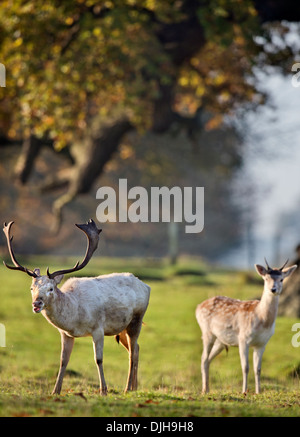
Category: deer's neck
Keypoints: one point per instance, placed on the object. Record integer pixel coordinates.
(58, 312)
(267, 308)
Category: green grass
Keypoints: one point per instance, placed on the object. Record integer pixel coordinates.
(170, 352)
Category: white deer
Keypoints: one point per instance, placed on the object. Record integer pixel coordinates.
(231, 322)
(112, 304)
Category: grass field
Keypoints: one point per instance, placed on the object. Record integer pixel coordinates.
(170, 352)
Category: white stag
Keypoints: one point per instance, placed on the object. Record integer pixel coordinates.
(231, 322)
(112, 304)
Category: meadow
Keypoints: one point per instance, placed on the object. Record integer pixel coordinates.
(170, 351)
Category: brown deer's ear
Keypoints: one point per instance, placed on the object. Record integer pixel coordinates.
(37, 272)
(260, 270)
(289, 270)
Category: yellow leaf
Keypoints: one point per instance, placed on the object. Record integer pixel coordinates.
(97, 31)
(48, 120)
(56, 49)
(219, 79)
(239, 40)
(200, 90)
(69, 21)
(18, 42)
(214, 123)
(126, 151)
(183, 81)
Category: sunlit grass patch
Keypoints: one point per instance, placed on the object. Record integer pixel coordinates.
(170, 353)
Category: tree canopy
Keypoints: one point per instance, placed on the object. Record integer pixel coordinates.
(69, 62)
(83, 73)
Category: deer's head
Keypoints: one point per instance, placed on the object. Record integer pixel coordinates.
(42, 290)
(43, 287)
(273, 278)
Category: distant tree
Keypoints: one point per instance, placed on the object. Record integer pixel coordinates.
(290, 299)
(81, 74)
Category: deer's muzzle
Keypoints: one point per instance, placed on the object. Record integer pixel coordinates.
(37, 306)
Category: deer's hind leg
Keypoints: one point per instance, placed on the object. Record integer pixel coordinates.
(128, 338)
(208, 343)
(216, 349)
(98, 342)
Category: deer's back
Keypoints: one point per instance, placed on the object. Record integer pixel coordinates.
(110, 301)
(114, 288)
(224, 317)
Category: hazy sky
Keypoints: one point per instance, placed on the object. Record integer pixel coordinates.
(274, 160)
(272, 152)
(272, 169)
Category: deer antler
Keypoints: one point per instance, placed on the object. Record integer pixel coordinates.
(268, 267)
(284, 265)
(92, 233)
(6, 230)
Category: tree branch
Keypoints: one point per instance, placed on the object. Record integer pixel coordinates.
(100, 150)
(30, 150)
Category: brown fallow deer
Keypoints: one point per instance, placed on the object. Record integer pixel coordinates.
(231, 322)
(112, 304)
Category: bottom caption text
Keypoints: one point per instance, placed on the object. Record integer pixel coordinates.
(153, 426)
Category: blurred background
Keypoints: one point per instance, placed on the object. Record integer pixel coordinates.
(174, 93)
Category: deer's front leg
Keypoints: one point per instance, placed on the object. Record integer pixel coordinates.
(244, 356)
(98, 339)
(257, 359)
(66, 349)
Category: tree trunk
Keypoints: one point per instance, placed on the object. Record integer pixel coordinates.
(30, 150)
(173, 230)
(289, 304)
(99, 151)
(92, 155)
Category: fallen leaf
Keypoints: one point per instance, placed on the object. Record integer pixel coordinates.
(45, 411)
(21, 414)
(151, 401)
(59, 400)
(81, 395)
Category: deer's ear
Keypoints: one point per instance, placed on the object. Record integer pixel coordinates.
(37, 272)
(260, 270)
(289, 270)
(58, 279)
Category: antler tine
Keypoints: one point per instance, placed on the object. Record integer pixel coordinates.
(281, 268)
(92, 232)
(268, 267)
(61, 272)
(17, 266)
